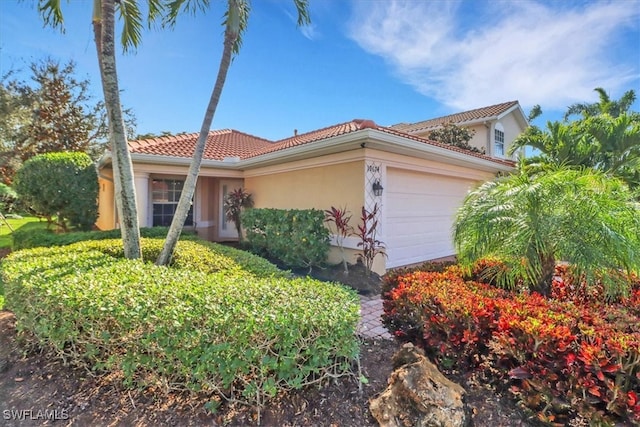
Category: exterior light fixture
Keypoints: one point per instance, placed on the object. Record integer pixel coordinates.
(377, 188)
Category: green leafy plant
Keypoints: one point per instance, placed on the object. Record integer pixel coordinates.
(530, 222)
(219, 320)
(234, 203)
(340, 217)
(26, 238)
(456, 136)
(296, 238)
(64, 185)
(367, 232)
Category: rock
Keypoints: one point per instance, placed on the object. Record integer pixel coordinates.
(419, 395)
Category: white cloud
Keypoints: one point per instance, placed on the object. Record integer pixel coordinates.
(467, 55)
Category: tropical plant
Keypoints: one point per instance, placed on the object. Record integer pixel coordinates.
(606, 138)
(367, 233)
(559, 144)
(234, 203)
(235, 24)
(618, 139)
(531, 221)
(340, 217)
(605, 105)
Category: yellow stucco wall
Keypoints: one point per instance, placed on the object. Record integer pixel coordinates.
(318, 187)
(106, 201)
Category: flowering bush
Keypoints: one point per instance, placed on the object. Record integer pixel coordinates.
(562, 356)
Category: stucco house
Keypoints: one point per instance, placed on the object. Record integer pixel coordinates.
(423, 182)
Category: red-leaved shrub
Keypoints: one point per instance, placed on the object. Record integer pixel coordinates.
(572, 354)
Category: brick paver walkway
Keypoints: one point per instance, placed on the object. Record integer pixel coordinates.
(370, 323)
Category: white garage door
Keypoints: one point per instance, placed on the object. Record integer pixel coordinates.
(419, 215)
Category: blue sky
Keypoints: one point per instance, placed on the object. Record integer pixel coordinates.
(389, 61)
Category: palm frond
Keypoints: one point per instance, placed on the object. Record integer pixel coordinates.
(132, 23)
(51, 11)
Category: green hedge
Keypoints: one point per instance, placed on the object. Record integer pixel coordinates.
(216, 321)
(61, 184)
(33, 238)
(296, 238)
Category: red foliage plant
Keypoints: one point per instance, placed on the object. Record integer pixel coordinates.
(570, 354)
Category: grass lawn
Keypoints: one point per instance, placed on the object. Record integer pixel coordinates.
(27, 222)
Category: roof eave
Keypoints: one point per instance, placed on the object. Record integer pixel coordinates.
(345, 142)
(400, 145)
(183, 161)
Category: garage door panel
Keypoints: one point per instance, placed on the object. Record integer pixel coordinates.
(420, 210)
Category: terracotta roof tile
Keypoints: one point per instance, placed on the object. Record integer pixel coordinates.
(220, 144)
(231, 143)
(316, 135)
(458, 118)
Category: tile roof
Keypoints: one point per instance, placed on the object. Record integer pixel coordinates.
(489, 112)
(316, 135)
(402, 134)
(220, 144)
(231, 143)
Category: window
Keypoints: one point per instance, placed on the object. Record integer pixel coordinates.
(498, 141)
(165, 196)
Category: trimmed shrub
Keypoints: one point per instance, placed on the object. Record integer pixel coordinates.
(33, 238)
(562, 357)
(209, 323)
(60, 184)
(296, 238)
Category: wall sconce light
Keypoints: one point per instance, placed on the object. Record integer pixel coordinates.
(377, 188)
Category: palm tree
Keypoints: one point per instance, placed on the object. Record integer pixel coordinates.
(103, 21)
(604, 106)
(235, 25)
(608, 140)
(531, 221)
(560, 144)
(618, 138)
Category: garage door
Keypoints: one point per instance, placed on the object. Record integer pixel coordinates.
(419, 215)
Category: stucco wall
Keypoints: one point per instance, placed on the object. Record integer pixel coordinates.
(318, 187)
(479, 139)
(106, 201)
(511, 131)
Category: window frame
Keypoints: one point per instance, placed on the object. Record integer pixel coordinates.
(164, 201)
(498, 141)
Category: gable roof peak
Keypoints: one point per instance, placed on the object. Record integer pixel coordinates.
(491, 112)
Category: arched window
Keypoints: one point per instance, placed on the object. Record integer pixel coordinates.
(498, 140)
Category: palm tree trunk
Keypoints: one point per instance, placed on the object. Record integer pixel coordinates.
(182, 210)
(103, 27)
(543, 287)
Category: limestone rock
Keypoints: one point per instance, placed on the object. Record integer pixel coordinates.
(419, 395)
